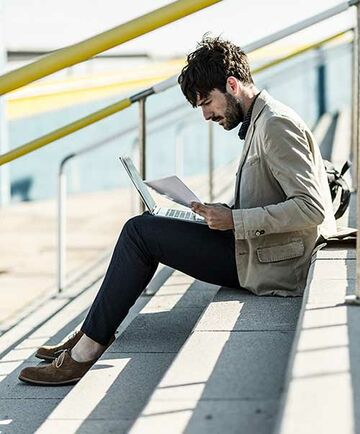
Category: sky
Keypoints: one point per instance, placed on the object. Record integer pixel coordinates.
(51, 24)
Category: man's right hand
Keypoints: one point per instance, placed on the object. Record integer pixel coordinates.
(217, 203)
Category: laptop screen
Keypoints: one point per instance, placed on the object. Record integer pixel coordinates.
(138, 183)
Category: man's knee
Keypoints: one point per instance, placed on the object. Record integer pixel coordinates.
(136, 224)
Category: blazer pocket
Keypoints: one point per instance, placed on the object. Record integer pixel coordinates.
(282, 252)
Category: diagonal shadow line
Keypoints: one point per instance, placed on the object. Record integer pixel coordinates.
(328, 347)
(181, 385)
(320, 375)
(326, 326)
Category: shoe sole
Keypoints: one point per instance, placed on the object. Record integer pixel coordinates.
(47, 383)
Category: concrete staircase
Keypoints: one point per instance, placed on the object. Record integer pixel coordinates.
(192, 358)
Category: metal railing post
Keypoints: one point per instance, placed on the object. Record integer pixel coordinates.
(133, 193)
(211, 160)
(354, 104)
(355, 298)
(61, 228)
(142, 144)
(61, 253)
(321, 83)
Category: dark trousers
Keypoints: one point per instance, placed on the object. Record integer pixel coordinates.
(196, 250)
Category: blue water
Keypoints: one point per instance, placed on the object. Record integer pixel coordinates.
(294, 83)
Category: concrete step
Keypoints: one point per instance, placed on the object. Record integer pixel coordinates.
(229, 374)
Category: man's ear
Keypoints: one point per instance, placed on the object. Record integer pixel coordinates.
(232, 85)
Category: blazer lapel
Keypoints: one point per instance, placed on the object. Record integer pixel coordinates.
(245, 151)
(258, 107)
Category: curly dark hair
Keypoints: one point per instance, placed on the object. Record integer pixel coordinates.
(209, 66)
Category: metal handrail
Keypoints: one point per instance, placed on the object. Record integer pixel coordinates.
(88, 48)
(130, 129)
(301, 25)
(127, 102)
(167, 84)
(81, 123)
(301, 50)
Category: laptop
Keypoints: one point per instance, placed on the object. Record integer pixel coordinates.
(150, 202)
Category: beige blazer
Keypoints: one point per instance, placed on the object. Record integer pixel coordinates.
(282, 201)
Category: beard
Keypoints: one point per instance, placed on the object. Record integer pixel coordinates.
(234, 114)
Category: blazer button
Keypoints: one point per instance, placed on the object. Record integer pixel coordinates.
(257, 233)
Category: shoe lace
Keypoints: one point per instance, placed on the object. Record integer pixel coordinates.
(59, 360)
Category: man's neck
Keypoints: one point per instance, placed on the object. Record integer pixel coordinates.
(249, 93)
(251, 97)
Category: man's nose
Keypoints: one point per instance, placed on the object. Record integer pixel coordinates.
(207, 113)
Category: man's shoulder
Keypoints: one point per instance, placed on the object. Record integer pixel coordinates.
(276, 113)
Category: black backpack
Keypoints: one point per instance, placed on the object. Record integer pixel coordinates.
(336, 181)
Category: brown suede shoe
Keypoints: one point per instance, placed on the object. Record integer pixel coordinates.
(50, 353)
(62, 371)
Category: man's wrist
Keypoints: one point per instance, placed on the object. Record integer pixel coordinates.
(239, 227)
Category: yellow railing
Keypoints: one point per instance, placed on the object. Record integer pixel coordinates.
(64, 131)
(88, 48)
(301, 50)
(126, 102)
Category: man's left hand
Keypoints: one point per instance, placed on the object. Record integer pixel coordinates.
(217, 216)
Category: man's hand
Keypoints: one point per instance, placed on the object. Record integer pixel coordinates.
(217, 216)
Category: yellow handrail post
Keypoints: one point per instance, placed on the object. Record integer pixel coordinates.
(88, 48)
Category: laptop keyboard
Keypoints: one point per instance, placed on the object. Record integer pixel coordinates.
(186, 215)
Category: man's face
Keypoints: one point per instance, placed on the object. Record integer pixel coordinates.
(222, 108)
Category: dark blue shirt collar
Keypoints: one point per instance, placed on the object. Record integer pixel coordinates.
(246, 123)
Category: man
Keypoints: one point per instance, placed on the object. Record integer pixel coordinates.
(263, 243)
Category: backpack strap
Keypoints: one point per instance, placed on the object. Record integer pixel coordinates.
(336, 181)
(345, 167)
(344, 199)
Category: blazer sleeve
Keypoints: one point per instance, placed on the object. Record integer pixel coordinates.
(290, 160)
